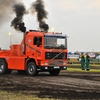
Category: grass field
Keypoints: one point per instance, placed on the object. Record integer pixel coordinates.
(80, 61)
(80, 65)
(16, 96)
(80, 70)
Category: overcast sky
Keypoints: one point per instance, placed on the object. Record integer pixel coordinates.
(79, 19)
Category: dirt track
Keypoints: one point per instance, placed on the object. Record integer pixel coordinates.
(68, 85)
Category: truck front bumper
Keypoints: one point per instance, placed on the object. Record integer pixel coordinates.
(47, 68)
(53, 63)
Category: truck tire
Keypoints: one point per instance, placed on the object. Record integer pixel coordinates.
(54, 72)
(31, 69)
(3, 66)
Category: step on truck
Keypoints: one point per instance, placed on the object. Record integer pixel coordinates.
(39, 51)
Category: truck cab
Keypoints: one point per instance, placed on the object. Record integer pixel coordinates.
(49, 49)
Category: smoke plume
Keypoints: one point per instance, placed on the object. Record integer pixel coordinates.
(6, 13)
(38, 6)
(17, 22)
(6, 10)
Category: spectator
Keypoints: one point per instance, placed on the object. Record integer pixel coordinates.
(82, 61)
(87, 62)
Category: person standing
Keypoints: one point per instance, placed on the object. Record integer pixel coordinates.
(87, 62)
(82, 61)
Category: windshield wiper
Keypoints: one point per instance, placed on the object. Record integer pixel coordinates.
(62, 47)
(50, 47)
(55, 47)
(47, 47)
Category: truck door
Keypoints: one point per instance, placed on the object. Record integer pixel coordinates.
(33, 47)
(37, 44)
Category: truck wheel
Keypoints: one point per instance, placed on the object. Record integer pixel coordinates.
(31, 69)
(54, 72)
(3, 66)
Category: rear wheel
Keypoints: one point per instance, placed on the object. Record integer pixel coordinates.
(31, 69)
(3, 66)
(54, 72)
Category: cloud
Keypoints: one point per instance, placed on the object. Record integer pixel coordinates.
(68, 5)
(77, 4)
(79, 7)
(6, 10)
(95, 4)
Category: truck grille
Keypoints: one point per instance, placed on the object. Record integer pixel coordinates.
(55, 55)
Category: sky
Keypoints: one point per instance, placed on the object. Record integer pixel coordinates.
(78, 19)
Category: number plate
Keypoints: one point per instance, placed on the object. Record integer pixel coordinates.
(56, 67)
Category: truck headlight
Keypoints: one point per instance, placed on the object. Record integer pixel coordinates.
(46, 63)
(64, 63)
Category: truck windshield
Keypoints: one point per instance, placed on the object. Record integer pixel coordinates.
(51, 42)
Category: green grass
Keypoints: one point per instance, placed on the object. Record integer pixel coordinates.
(95, 61)
(94, 65)
(80, 65)
(80, 70)
(90, 61)
(75, 64)
(18, 96)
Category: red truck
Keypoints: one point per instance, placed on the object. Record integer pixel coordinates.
(39, 51)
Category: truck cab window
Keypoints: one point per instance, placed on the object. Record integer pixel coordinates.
(55, 42)
(37, 40)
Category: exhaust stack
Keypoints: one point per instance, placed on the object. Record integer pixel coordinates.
(23, 46)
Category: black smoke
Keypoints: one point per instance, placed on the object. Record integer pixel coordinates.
(38, 6)
(17, 22)
(7, 7)
(6, 10)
